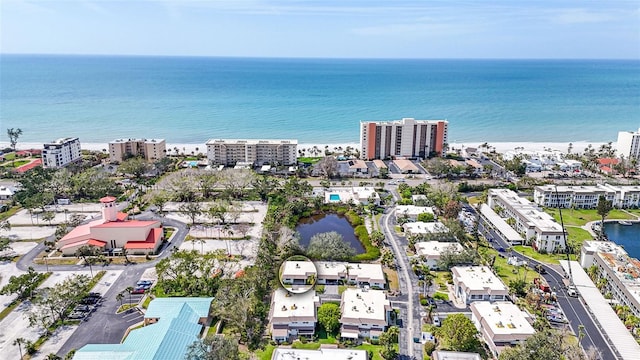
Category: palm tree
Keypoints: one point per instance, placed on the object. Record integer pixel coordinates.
(19, 341)
(53, 356)
(202, 242)
(120, 297)
(129, 290)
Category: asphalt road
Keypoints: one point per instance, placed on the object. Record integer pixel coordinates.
(573, 308)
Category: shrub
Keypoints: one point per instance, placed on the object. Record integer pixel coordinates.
(429, 347)
(424, 302)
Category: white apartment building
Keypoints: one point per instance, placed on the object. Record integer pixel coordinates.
(430, 251)
(454, 355)
(257, 152)
(357, 194)
(402, 138)
(292, 315)
(411, 212)
(424, 228)
(502, 324)
(536, 226)
(332, 272)
(477, 283)
(365, 313)
(628, 144)
(298, 273)
(622, 273)
(148, 149)
(61, 152)
(320, 354)
(586, 197)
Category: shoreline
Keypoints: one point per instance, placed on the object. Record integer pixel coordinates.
(501, 147)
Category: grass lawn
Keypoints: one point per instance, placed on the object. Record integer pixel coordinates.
(375, 349)
(126, 307)
(580, 217)
(440, 282)
(634, 211)
(545, 258)
(324, 338)
(506, 272)
(474, 200)
(308, 346)
(266, 353)
(392, 278)
(10, 156)
(309, 160)
(58, 261)
(15, 164)
(9, 213)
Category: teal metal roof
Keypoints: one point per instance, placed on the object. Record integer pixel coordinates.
(170, 307)
(176, 329)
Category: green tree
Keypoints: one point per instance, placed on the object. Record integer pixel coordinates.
(13, 135)
(48, 216)
(603, 208)
(543, 345)
(88, 254)
(19, 342)
(329, 246)
(214, 347)
(192, 210)
(388, 351)
(136, 167)
(23, 285)
(160, 199)
(329, 316)
(5, 245)
(425, 217)
(458, 333)
(377, 238)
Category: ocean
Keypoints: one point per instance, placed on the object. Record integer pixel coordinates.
(625, 235)
(193, 99)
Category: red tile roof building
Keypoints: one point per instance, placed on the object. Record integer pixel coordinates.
(114, 231)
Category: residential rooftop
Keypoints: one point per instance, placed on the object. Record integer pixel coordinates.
(504, 320)
(413, 210)
(433, 249)
(478, 278)
(420, 227)
(369, 306)
(360, 271)
(320, 354)
(298, 269)
(250, 142)
(295, 307)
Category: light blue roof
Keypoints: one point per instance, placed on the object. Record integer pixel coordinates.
(170, 307)
(176, 329)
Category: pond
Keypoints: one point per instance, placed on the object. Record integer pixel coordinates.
(316, 224)
(626, 235)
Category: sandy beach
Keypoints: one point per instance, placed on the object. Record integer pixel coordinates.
(578, 146)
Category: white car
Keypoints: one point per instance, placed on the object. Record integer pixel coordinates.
(436, 320)
(572, 291)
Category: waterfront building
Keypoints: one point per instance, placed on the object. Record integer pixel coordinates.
(292, 315)
(171, 325)
(114, 233)
(357, 194)
(148, 149)
(477, 283)
(402, 138)
(365, 313)
(61, 152)
(501, 324)
(536, 226)
(430, 251)
(628, 144)
(361, 274)
(586, 196)
(229, 152)
(617, 272)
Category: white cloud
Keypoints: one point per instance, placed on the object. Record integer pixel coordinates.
(580, 16)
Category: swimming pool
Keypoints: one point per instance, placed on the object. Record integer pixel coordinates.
(334, 197)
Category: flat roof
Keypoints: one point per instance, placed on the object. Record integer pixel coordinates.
(618, 335)
(527, 210)
(252, 142)
(413, 210)
(362, 271)
(365, 305)
(149, 141)
(320, 354)
(454, 355)
(503, 318)
(420, 227)
(500, 225)
(478, 278)
(294, 306)
(433, 249)
(298, 268)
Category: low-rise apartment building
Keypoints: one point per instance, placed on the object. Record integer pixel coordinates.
(292, 315)
(586, 197)
(411, 212)
(298, 273)
(617, 272)
(454, 355)
(281, 353)
(358, 194)
(430, 251)
(365, 313)
(61, 152)
(229, 152)
(536, 226)
(334, 272)
(402, 138)
(502, 324)
(477, 283)
(148, 149)
(425, 228)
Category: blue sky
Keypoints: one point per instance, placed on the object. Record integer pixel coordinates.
(342, 28)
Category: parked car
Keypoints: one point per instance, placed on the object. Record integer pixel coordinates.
(540, 269)
(144, 282)
(436, 320)
(83, 308)
(572, 291)
(138, 290)
(557, 319)
(77, 315)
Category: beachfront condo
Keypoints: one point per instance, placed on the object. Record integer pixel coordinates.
(61, 152)
(257, 152)
(148, 149)
(628, 144)
(408, 138)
